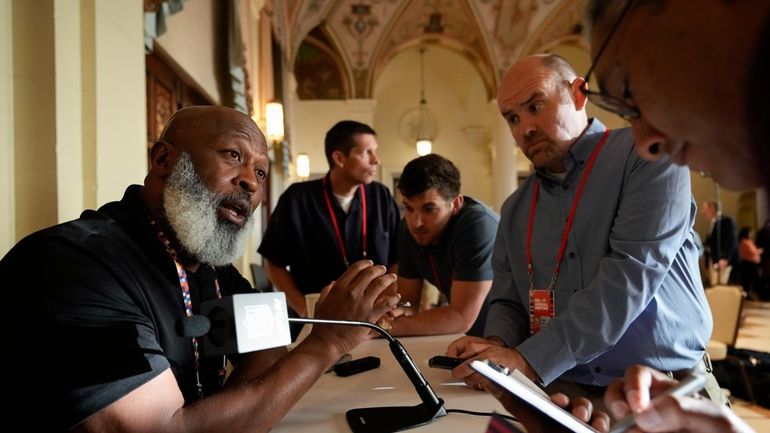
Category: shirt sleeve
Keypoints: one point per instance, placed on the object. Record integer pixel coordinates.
(652, 223)
(473, 245)
(407, 253)
(508, 314)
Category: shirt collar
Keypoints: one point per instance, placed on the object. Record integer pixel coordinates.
(588, 140)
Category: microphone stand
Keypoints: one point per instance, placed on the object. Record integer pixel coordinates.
(395, 418)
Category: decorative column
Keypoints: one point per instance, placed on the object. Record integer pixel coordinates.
(504, 162)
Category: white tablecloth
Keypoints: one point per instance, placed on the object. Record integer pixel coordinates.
(323, 408)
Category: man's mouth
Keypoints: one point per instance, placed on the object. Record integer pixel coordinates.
(534, 146)
(234, 210)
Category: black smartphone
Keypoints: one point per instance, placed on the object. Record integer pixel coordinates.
(357, 366)
(445, 362)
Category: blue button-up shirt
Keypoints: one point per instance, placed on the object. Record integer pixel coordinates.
(629, 289)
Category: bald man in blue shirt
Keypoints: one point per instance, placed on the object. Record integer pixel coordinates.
(595, 262)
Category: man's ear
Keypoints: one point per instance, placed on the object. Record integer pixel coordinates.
(162, 156)
(457, 203)
(338, 158)
(578, 85)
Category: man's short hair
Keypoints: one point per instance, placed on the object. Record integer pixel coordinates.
(340, 137)
(430, 171)
(559, 66)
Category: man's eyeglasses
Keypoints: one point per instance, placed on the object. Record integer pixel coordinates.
(607, 102)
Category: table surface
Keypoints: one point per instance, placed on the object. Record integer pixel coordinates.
(323, 408)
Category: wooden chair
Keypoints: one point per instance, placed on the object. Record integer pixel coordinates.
(726, 304)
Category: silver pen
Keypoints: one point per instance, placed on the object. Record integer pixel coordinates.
(688, 385)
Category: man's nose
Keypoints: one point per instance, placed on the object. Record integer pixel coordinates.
(416, 219)
(649, 142)
(527, 129)
(247, 180)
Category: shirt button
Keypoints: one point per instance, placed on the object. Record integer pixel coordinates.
(572, 255)
(598, 369)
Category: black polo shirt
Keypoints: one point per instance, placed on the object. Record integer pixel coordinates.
(93, 306)
(463, 253)
(301, 235)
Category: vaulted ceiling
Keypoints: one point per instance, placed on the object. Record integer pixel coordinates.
(337, 48)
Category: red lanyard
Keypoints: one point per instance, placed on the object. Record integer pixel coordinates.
(337, 227)
(570, 218)
(434, 268)
(187, 299)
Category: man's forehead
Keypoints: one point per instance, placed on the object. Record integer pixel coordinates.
(519, 87)
(208, 123)
(430, 196)
(362, 141)
(245, 134)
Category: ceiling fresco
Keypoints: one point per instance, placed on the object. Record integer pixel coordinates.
(337, 48)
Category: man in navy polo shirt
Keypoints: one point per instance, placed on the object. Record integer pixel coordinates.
(319, 227)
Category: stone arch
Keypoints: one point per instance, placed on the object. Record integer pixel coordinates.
(319, 68)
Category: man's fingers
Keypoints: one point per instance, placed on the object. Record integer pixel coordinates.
(379, 283)
(675, 413)
(472, 348)
(324, 293)
(582, 408)
(615, 399)
(475, 381)
(560, 399)
(600, 421)
(636, 387)
(642, 383)
(351, 273)
(383, 305)
(463, 345)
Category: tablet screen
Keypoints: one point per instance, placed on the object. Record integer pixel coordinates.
(527, 392)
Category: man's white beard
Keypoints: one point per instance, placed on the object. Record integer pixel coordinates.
(191, 211)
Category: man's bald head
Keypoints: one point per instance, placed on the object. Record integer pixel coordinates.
(542, 66)
(198, 125)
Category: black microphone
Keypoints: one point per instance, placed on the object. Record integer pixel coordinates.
(246, 322)
(395, 418)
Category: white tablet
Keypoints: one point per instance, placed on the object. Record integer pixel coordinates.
(529, 393)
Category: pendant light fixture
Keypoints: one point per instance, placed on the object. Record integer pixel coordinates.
(424, 142)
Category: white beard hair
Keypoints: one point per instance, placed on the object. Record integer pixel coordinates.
(191, 211)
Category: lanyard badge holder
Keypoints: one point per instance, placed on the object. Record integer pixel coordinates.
(541, 305)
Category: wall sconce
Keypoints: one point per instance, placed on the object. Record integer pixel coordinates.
(274, 121)
(303, 166)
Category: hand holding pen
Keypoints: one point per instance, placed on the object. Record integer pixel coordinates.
(647, 400)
